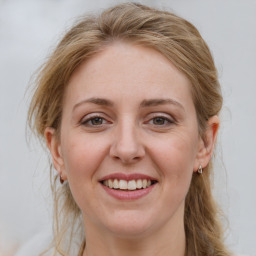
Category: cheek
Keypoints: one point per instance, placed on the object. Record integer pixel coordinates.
(174, 157)
(82, 155)
(177, 149)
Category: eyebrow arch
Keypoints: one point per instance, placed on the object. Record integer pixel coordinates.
(97, 101)
(157, 102)
(144, 103)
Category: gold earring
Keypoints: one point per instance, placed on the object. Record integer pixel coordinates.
(200, 169)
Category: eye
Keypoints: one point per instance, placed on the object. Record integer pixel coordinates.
(160, 121)
(94, 121)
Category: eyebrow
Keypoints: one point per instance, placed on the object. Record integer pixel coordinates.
(143, 104)
(97, 101)
(157, 102)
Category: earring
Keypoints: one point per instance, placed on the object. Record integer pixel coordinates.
(61, 179)
(200, 169)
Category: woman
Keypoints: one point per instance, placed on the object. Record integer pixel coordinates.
(128, 106)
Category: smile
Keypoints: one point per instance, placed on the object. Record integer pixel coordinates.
(128, 184)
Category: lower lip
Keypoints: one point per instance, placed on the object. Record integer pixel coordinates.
(128, 195)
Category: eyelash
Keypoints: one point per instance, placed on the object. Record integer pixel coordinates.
(91, 119)
(88, 122)
(166, 120)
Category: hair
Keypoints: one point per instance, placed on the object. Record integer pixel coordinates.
(180, 42)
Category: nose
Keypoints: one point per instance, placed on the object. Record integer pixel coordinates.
(127, 145)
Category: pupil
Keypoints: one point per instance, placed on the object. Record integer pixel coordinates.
(97, 121)
(158, 120)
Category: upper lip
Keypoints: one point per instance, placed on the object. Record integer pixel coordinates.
(127, 177)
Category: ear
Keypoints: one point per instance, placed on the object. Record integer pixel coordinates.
(206, 143)
(54, 147)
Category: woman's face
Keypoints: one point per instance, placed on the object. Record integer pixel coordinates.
(128, 121)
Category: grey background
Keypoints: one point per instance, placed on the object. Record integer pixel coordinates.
(29, 30)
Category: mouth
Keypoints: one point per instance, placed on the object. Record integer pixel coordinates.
(128, 185)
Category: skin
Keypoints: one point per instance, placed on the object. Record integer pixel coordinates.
(130, 135)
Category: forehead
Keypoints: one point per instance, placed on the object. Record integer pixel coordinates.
(124, 71)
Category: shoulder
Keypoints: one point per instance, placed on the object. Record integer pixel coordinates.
(36, 245)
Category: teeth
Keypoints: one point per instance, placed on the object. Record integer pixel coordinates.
(123, 184)
(110, 183)
(131, 185)
(116, 184)
(144, 183)
(127, 185)
(139, 183)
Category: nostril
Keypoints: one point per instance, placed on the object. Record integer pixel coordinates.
(127, 147)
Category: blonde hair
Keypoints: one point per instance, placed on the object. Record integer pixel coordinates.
(183, 45)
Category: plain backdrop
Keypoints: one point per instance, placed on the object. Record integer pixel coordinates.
(29, 30)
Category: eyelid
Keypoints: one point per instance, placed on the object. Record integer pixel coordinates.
(91, 116)
(161, 115)
(167, 117)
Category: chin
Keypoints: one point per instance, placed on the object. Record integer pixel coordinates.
(130, 225)
(129, 231)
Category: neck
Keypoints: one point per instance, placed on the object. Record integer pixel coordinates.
(170, 240)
